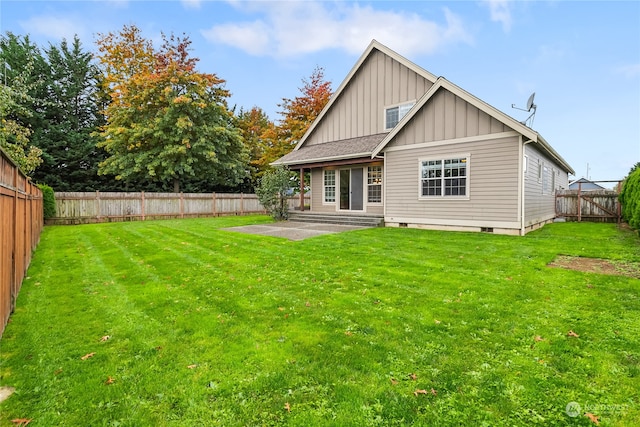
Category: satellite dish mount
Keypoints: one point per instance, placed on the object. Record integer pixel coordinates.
(530, 106)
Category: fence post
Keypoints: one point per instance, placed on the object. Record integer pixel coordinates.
(181, 205)
(142, 207)
(579, 202)
(97, 206)
(214, 204)
(241, 203)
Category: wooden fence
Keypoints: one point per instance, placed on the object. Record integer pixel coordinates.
(592, 206)
(20, 227)
(92, 207)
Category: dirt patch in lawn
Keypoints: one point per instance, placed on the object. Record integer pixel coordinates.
(597, 265)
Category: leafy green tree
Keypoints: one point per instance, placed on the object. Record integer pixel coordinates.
(630, 198)
(272, 192)
(14, 135)
(166, 122)
(253, 124)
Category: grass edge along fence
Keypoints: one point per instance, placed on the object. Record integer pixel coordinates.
(94, 207)
(21, 222)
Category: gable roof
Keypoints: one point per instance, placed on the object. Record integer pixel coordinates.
(443, 83)
(374, 45)
(363, 146)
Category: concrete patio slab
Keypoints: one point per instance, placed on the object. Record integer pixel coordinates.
(293, 230)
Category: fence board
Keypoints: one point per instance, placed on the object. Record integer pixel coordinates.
(20, 227)
(592, 206)
(83, 207)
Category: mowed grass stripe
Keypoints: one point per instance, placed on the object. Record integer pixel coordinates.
(210, 327)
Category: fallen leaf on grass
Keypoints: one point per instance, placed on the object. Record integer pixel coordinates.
(57, 372)
(109, 380)
(437, 321)
(287, 407)
(191, 366)
(88, 355)
(281, 308)
(105, 338)
(394, 381)
(538, 338)
(593, 418)
(572, 334)
(21, 421)
(432, 391)
(413, 376)
(348, 333)
(308, 304)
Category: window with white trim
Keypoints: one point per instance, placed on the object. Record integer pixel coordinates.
(329, 186)
(444, 177)
(374, 184)
(393, 115)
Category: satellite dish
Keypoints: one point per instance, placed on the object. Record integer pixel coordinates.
(530, 106)
(530, 103)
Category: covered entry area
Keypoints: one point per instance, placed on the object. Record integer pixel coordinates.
(351, 189)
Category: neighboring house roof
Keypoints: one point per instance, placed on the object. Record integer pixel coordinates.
(585, 185)
(330, 151)
(373, 145)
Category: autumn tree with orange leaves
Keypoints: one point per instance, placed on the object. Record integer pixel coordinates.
(297, 115)
(166, 122)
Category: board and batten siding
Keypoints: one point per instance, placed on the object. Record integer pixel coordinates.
(493, 185)
(380, 82)
(447, 116)
(539, 203)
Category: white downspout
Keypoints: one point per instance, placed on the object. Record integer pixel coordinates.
(522, 188)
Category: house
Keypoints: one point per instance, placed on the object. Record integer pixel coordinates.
(416, 149)
(585, 185)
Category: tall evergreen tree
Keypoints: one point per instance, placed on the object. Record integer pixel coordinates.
(72, 116)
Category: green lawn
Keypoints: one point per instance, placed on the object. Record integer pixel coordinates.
(180, 323)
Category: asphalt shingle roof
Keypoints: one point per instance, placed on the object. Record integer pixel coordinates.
(335, 150)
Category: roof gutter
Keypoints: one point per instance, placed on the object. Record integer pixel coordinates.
(522, 184)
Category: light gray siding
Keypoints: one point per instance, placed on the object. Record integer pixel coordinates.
(541, 180)
(380, 82)
(447, 116)
(317, 194)
(493, 185)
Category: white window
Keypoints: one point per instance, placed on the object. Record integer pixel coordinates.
(329, 186)
(393, 115)
(374, 184)
(539, 171)
(444, 177)
(545, 180)
(525, 163)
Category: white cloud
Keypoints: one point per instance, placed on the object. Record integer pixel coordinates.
(191, 4)
(629, 71)
(53, 27)
(293, 28)
(500, 12)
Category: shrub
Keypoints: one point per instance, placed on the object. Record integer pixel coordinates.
(48, 201)
(272, 192)
(630, 199)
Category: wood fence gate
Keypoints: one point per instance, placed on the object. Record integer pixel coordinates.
(592, 205)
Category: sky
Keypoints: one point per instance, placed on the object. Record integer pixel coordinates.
(582, 59)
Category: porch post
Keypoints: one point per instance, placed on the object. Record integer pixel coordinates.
(301, 189)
